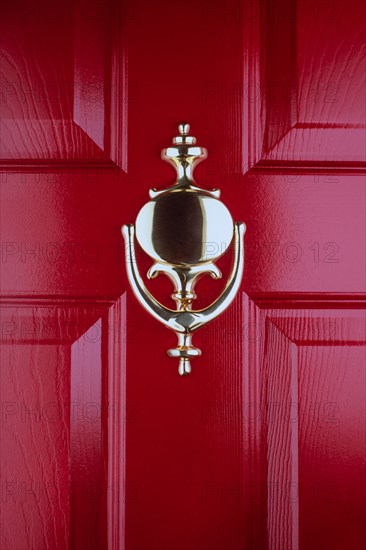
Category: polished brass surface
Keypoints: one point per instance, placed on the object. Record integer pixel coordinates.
(184, 229)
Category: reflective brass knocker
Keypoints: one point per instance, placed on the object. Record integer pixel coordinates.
(178, 228)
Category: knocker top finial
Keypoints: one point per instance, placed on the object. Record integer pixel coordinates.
(184, 136)
(184, 155)
(184, 128)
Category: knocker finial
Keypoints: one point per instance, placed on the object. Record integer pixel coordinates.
(184, 128)
(184, 229)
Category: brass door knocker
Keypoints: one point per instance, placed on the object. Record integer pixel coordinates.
(177, 229)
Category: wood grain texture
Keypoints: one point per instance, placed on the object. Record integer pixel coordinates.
(309, 80)
(57, 101)
(35, 440)
(310, 369)
(63, 407)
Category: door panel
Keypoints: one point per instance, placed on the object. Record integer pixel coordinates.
(310, 84)
(62, 396)
(325, 93)
(305, 411)
(91, 94)
(58, 89)
(35, 475)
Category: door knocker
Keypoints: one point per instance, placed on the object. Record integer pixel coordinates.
(177, 229)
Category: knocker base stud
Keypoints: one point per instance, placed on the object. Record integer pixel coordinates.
(174, 228)
(185, 352)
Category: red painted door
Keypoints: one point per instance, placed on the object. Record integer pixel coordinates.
(103, 445)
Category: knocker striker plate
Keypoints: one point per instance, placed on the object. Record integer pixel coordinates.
(184, 229)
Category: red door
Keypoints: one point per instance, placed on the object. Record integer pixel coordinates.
(103, 445)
